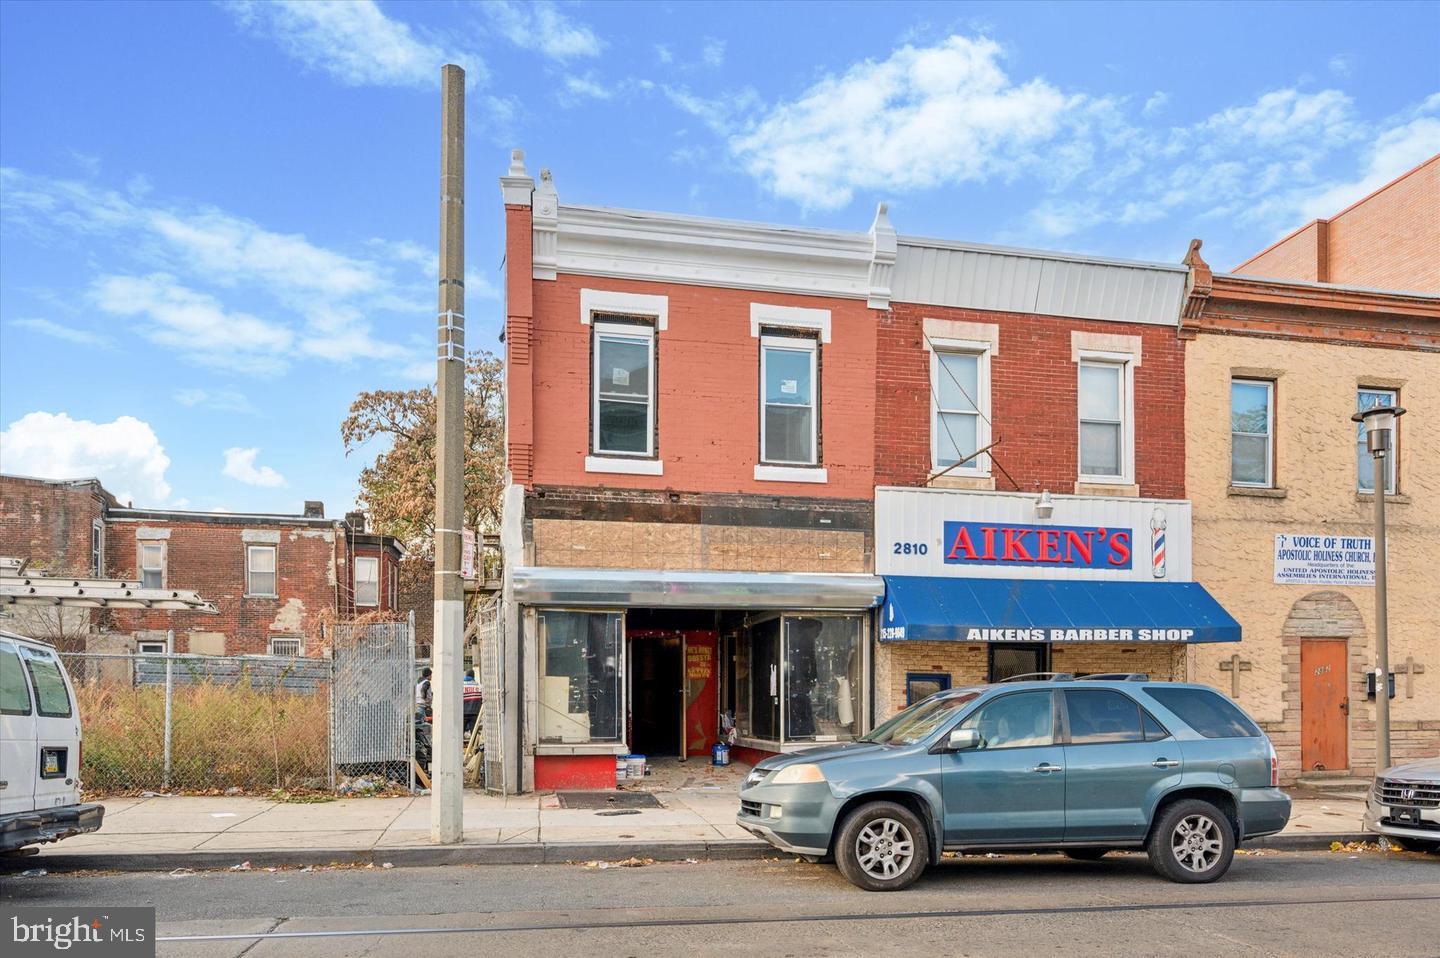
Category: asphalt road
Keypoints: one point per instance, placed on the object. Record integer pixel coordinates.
(1311, 904)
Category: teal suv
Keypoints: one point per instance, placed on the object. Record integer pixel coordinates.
(1080, 766)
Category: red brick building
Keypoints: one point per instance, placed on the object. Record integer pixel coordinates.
(277, 580)
(1388, 240)
(711, 425)
(1039, 397)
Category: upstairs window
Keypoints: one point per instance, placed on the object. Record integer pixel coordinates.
(260, 571)
(1104, 426)
(97, 548)
(1364, 464)
(367, 580)
(789, 433)
(623, 389)
(960, 400)
(1252, 422)
(152, 565)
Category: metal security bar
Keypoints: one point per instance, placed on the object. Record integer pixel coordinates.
(490, 637)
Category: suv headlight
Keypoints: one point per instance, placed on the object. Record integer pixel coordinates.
(798, 775)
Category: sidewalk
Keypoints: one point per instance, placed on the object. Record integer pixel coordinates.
(217, 832)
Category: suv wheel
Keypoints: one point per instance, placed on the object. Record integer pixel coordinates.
(1192, 842)
(882, 847)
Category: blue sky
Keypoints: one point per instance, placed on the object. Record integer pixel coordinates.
(219, 220)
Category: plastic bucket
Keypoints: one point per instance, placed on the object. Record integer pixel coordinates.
(720, 754)
(621, 768)
(634, 767)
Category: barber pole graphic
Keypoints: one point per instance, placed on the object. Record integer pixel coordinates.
(1157, 543)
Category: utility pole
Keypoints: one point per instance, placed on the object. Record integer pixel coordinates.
(446, 779)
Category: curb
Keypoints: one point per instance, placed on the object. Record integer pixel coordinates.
(554, 853)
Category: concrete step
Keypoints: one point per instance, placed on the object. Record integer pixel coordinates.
(1335, 783)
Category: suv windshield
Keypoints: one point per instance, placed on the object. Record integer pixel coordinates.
(919, 720)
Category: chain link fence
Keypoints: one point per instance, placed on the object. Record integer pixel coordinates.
(202, 723)
(210, 724)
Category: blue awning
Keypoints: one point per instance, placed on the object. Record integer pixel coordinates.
(944, 609)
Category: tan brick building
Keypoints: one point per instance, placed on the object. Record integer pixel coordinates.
(1283, 504)
(1388, 240)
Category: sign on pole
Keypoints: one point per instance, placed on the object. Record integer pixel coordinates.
(467, 554)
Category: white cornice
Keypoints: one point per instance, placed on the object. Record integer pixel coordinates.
(599, 241)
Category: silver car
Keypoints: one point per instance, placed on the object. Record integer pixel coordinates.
(1404, 805)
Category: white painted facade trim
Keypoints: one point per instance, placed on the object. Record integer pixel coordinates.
(663, 247)
(594, 301)
(789, 317)
(791, 474)
(1084, 343)
(956, 330)
(623, 466)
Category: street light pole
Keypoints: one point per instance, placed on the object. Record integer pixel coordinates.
(1379, 426)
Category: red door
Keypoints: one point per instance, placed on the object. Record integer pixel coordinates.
(702, 707)
(1324, 705)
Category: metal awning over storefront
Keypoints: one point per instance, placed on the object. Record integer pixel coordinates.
(651, 588)
(950, 609)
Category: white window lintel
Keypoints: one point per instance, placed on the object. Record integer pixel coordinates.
(790, 317)
(594, 301)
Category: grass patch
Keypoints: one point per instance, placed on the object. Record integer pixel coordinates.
(223, 736)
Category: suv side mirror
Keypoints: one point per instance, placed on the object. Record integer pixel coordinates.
(962, 739)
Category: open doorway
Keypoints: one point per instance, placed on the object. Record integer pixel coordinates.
(657, 694)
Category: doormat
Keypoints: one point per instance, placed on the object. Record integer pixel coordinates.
(607, 800)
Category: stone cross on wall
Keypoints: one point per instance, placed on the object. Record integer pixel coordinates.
(1235, 665)
(1410, 669)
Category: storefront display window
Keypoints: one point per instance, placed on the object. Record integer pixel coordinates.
(822, 677)
(801, 679)
(580, 676)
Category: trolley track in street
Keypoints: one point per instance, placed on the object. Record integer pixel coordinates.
(732, 918)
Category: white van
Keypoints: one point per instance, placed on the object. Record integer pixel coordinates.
(39, 748)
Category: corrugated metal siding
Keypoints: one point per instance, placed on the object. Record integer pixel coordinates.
(1016, 282)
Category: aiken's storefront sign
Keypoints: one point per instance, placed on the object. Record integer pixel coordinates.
(1078, 547)
(1002, 535)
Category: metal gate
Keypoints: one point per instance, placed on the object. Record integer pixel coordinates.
(372, 710)
(490, 638)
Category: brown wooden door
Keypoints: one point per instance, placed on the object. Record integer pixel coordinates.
(1324, 705)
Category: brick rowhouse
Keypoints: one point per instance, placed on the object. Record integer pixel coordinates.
(280, 600)
(692, 539)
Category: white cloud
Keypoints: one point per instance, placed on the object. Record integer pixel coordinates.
(124, 455)
(1342, 64)
(223, 400)
(1394, 151)
(586, 88)
(924, 117)
(1283, 116)
(195, 324)
(664, 54)
(539, 26)
(354, 41)
(333, 293)
(1156, 103)
(712, 54)
(71, 334)
(240, 466)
